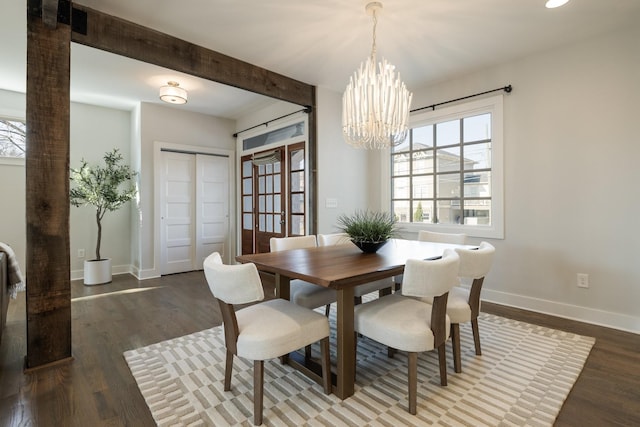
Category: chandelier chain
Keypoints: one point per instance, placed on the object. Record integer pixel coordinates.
(375, 26)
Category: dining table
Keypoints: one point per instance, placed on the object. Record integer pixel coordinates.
(343, 267)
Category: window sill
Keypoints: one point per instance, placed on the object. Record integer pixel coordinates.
(12, 161)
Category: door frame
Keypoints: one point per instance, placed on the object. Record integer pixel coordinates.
(158, 147)
(310, 216)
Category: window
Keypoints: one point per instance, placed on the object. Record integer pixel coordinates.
(447, 174)
(12, 138)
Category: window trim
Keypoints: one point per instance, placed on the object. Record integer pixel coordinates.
(493, 105)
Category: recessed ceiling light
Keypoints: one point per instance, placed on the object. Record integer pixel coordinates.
(555, 3)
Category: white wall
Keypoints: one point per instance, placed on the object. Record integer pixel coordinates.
(12, 186)
(342, 169)
(174, 126)
(94, 131)
(571, 151)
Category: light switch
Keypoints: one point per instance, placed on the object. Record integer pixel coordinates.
(331, 203)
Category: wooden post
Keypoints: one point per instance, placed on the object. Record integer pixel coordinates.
(48, 295)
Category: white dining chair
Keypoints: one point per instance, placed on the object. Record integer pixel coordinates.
(264, 330)
(435, 237)
(464, 303)
(382, 286)
(405, 323)
(304, 293)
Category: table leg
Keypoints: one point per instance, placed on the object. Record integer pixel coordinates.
(283, 288)
(346, 344)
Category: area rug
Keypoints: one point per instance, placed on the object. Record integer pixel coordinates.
(522, 379)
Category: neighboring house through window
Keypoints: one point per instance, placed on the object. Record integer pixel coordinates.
(447, 174)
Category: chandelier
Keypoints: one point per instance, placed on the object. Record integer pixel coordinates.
(376, 103)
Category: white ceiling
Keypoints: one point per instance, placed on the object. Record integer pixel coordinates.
(320, 42)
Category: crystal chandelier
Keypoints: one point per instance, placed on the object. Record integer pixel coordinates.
(376, 103)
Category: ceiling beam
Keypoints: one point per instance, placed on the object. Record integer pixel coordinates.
(116, 35)
(50, 13)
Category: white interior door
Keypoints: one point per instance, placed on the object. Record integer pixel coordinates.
(194, 210)
(212, 211)
(178, 218)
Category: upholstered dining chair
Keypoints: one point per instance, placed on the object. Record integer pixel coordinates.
(383, 286)
(436, 237)
(264, 330)
(407, 324)
(432, 236)
(304, 293)
(464, 303)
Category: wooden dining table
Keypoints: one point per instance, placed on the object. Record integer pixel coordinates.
(342, 267)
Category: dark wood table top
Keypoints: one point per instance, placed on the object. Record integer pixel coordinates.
(345, 265)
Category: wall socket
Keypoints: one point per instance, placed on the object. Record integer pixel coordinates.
(80, 253)
(583, 280)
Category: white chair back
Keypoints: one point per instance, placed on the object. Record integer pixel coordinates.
(333, 239)
(432, 236)
(475, 263)
(233, 284)
(296, 242)
(430, 278)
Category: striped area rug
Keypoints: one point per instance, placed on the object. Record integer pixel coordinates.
(522, 378)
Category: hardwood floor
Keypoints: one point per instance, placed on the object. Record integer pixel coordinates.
(97, 389)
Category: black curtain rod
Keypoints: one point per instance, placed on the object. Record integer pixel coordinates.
(507, 89)
(305, 109)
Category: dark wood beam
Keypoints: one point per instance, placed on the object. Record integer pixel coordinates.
(48, 295)
(50, 13)
(116, 35)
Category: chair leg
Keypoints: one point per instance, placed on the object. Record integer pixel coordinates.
(413, 382)
(327, 310)
(228, 370)
(476, 336)
(357, 300)
(307, 352)
(258, 379)
(442, 361)
(391, 352)
(455, 344)
(385, 292)
(326, 365)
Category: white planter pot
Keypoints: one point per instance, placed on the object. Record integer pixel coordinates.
(97, 272)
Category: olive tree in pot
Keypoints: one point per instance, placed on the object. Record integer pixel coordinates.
(105, 187)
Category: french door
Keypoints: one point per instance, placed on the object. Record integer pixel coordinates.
(273, 196)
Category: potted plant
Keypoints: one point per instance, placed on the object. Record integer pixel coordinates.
(369, 230)
(106, 187)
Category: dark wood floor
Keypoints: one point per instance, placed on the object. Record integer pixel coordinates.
(97, 389)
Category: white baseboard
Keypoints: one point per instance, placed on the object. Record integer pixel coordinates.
(567, 311)
(145, 274)
(115, 270)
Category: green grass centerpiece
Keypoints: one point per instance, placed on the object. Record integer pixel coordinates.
(369, 230)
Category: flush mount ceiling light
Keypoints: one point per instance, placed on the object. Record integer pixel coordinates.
(376, 103)
(555, 3)
(173, 94)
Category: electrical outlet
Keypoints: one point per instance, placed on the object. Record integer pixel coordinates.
(583, 280)
(80, 253)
